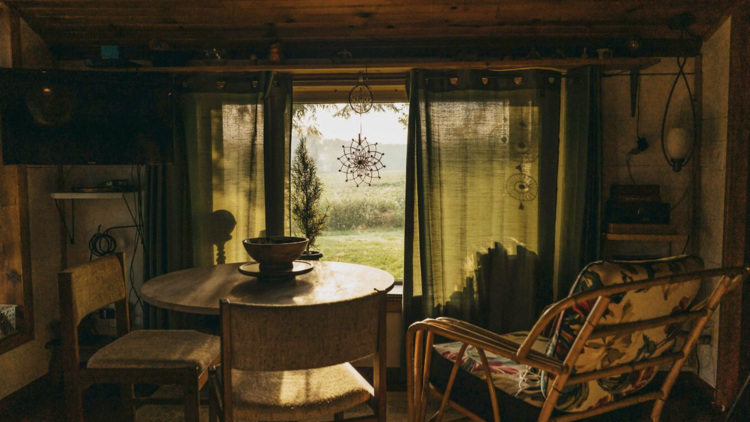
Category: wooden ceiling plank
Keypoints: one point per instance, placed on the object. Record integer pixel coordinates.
(224, 22)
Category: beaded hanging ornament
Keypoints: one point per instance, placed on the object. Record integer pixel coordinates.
(361, 161)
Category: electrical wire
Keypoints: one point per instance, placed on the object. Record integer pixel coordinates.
(638, 110)
(102, 244)
(681, 61)
(684, 248)
(630, 171)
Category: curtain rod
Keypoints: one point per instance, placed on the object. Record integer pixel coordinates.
(348, 80)
(612, 75)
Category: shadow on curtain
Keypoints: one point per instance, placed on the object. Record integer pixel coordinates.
(481, 191)
(237, 141)
(230, 175)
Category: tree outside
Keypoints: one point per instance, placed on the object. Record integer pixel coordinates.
(307, 190)
(365, 224)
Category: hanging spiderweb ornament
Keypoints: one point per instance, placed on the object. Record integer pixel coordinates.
(522, 188)
(361, 161)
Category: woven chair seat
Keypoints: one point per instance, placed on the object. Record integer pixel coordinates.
(158, 349)
(296, 395)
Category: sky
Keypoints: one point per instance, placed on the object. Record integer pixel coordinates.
(381, 127)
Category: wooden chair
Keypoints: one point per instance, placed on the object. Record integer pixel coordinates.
(287, 363)
(160, 357)
(620, 324)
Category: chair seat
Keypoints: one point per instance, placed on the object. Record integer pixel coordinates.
(512, 378)
(158, 349)
(295, 395)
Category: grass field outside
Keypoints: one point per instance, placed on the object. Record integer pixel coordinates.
(377, 248)
(366, 223)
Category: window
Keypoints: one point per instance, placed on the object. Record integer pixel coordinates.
(365, 223)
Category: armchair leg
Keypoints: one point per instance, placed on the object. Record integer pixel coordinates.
(126, 395)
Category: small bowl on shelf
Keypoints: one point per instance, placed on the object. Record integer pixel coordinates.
(275, 253)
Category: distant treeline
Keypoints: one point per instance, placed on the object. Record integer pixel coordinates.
(326, 151)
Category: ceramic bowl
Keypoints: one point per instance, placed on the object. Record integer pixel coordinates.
(275, 253)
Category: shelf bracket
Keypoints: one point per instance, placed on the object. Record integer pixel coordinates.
(72, 231)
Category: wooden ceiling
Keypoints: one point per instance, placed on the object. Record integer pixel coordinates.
(322, 27)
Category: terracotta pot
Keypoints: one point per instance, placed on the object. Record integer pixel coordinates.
(275, 253)
(311, 256)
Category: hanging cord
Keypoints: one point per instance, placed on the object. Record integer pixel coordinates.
(641, 143)
(681, 61)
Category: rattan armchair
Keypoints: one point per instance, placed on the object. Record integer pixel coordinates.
(605, 344)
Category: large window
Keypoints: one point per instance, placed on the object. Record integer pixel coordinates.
(365, 223)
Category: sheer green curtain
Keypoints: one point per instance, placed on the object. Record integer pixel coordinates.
(579, 199)
(237, 131)
(481, 192)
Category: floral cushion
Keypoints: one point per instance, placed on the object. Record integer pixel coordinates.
(512, 378)
(628, 307)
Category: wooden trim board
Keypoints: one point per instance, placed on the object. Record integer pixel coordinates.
(734, 324)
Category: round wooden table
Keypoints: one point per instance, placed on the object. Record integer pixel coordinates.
(199, 290)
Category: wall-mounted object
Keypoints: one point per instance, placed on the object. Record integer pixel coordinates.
(275, 53)
(604, 53)
(83, 117)
(7, 320)
(678, 146)
(215, 56)
(636, 204)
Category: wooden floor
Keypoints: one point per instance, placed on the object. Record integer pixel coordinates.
(687, 403)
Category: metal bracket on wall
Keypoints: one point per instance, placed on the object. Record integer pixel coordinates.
(72, 231)
(72, 196)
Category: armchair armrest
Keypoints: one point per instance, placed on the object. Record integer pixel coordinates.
(488, 341)
(420, 338)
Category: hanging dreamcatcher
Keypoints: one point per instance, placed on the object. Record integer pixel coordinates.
(360, 97)
(523, 150)
(361, 161)
(521, 187)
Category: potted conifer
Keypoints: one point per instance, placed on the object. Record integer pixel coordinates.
(307, 192)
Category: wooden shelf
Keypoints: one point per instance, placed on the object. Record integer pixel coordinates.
(621, 237)
(88, 195)
(318, 67)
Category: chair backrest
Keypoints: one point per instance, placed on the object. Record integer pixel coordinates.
(618, 339)
(275, 338)
(90, 286)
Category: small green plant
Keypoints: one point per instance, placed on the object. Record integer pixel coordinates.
(307, 192)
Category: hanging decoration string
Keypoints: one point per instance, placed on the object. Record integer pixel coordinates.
(678, 163)
(361, 161)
